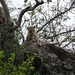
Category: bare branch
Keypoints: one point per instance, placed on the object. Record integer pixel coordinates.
(22, 13)
(57, 15)
(61, 33)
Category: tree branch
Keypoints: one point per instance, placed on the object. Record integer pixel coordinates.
(61, 33)
(57, 15)
(22, 13)
(5, 10)
(68, 43)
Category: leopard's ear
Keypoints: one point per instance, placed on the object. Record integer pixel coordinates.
(33, 26)
(28, 28)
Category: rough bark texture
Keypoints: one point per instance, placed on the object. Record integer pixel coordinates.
(54, 60)
(8, 43)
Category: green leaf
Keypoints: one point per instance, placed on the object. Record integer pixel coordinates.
(1, 54)
(39, 10)
(25, 1)
(49, 1)
(33, 12)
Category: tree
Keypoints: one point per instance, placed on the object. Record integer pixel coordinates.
(7, 32)
(49, 29)
(54, 16)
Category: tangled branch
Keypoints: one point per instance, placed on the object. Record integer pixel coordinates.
(24, 11)
(57, 15)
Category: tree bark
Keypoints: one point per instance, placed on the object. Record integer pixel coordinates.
(7, 14)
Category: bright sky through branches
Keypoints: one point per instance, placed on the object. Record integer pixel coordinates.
(19, 3)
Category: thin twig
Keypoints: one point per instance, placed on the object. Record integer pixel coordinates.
(60, 34)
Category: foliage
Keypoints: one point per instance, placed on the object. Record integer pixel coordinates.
(49, 1)
(25, 1)
(8, 68)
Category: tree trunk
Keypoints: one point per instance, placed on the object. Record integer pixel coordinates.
(8, 43)
(54, 60)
